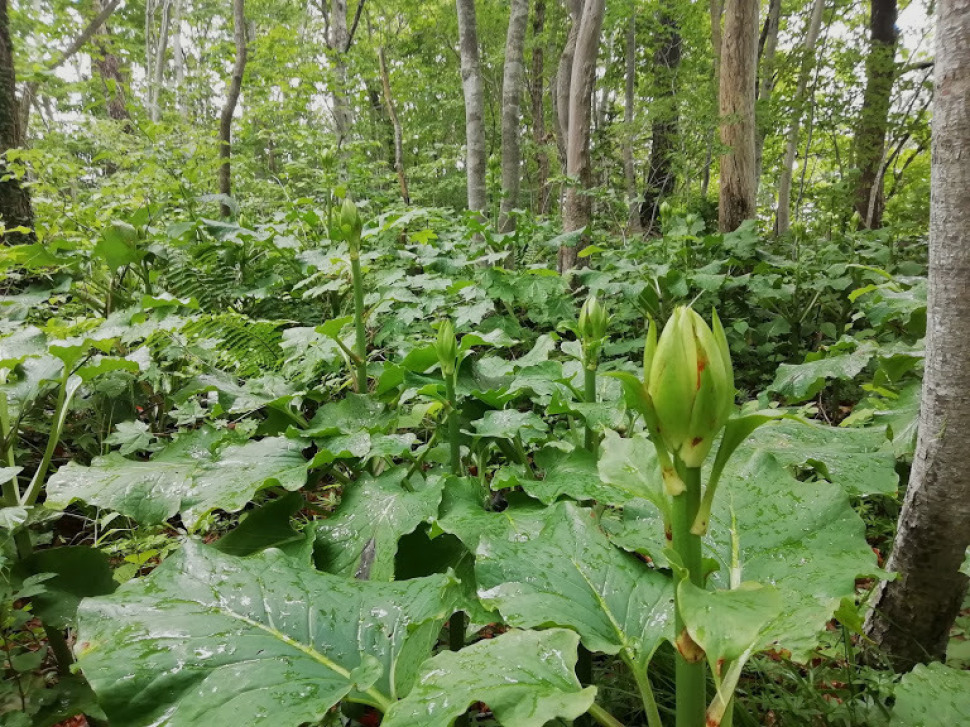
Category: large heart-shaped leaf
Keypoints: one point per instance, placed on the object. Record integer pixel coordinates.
(213, 639)
(570, 575)
(526, 678)
(187, 477)
(932, 695)
(375, 512)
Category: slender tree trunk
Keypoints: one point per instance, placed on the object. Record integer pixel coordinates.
(538, 109)
(108, 66)
(629, 99)
(471, 82)
(158, 63)
(739, 53)
(767, 47)
(232, 98)
(564, 74)
(511, 112)
(911, 616)
(15, 207)
(783, 212)
(396, 125)
(178, 57)
(716, 8)
(576, 208)
(339, 40)
(661, 178)
(870, 139)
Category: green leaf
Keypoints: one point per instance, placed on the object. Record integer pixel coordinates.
(78, 571)
(856, 459)
(801, 382)
(630, 467)
(374, 513)
(192, 476)
(728, 623)
(355, 413)
(265, 527)
(508, 423)
(118, 246)
(265, 640)
(526, 678)
(570, 575)
(932, 695)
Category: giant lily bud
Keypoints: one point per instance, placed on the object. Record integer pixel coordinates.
(593, 322)
(447, 348)
(350, 224)
(690, 381)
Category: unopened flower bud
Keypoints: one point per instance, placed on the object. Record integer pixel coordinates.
(593, 321)
(446, 347)
(690, 381)
(350, 223)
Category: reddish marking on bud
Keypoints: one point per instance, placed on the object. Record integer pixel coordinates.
(695, 441)
(701, 365)
(668, 534)
(712, 722)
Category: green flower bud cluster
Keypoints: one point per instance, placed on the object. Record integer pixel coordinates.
(349, 225)
(689, 379)
(446, 346)
(593, 324)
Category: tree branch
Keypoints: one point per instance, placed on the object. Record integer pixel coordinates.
(353, 28)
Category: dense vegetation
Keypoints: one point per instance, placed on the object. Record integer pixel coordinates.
(301, 423)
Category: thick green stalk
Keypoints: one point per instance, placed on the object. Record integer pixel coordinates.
(603, 717)
(361, 343)
(64, 396)
(691, 677)
(454, 427)
(646, 692)
(589, 381)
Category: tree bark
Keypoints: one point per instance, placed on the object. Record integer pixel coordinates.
(15, 207)
(870, 139)
(564, 75)
(911, 616)
(716, 9)
(339, 44)
(576, 207)
(511, 112)
(739, 52)
(396, 125)
(232, 98)
(629, 99)
(471, 83)
(767, 47)
(538, 108)
(158, 64)
(661, 179)
(108, 66)
(783, 211)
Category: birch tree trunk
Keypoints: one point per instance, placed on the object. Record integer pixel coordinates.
(911, 616)
(396, 125)
(661, 178)
(158, 62)
(783, 211)
(511, 112)
(564, 75)
(339, 39)
(576, 207)
(471, 84)
(15, 207)
(178, 56)
(232, 98)
(767, 47)
(538, 108)
(630, 83)
(870, 139)
(108, 66)
(739, 54)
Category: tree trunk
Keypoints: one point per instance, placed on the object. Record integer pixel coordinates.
(716, 8)
(564, 75)
(396, 125)
(471, 83)
(339, 40)
(911, 616)
(767, 46)
(783, 212)
(661, 178)
(870, 139)
(538, 109)
(158, 63)
(629, 99)
(511, 112)
(108, 66)
(576, 207)
(232, 98)
(739, 54)
(178, 57)
(15, 208)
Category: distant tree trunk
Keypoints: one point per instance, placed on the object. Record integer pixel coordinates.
(767, 46)
(232, 98)
(661, 178)
(339, 40)
(511, 112)
(576, 207)
(629, 99)
(870, 138)
(158, 62)
(911, 616)
(471, 82)
(564, 74)
(739, 54)
(783, 212)
(15, 208)
(396, 125)
(716, 8)
(178, 56)
(538, 108)
(108, 66)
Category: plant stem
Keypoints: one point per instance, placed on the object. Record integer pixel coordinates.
(589, 381)
(603, 717)
(361, 344)
(584, 671)
(456, 641)
(64, 396)
(454, 428)
(691, 677)
(646, 692)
